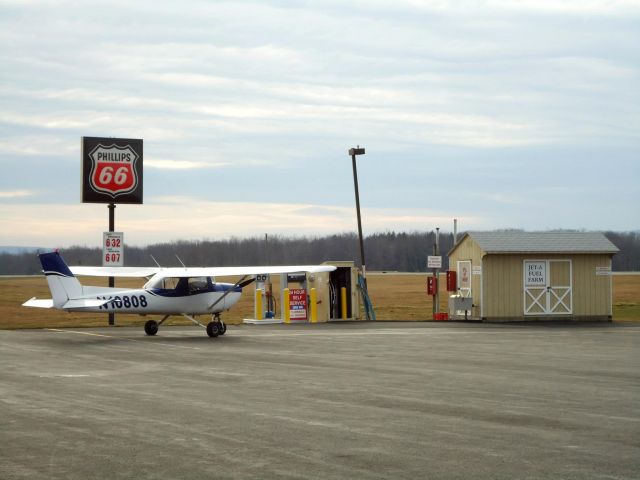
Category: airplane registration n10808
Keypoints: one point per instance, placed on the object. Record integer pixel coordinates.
(185, 291)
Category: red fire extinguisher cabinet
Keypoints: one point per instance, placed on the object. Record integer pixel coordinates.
(452, 285)
(432, 285)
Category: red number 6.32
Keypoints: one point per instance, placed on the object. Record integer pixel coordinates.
(112, 242)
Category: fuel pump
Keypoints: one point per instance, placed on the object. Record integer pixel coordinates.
(270, 300)
(259, 302)
(264, 302)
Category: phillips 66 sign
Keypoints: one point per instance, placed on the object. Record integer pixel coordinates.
(111, 170)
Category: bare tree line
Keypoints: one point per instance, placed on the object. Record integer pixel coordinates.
(389, 251)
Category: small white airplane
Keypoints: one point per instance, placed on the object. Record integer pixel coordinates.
(169, 291)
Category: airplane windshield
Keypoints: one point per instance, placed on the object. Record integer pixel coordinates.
(181, 285)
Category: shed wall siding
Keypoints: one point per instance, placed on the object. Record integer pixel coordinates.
(504, 285)
(592, 293)
(503, 290)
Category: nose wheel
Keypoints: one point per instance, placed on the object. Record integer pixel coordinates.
(216, 327)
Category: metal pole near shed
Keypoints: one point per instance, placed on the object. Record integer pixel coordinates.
(436, 298)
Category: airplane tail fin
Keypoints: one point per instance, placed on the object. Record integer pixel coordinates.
(62, 283)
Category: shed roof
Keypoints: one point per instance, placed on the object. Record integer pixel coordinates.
(541, 242)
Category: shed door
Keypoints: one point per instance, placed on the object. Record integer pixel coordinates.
(547, 287)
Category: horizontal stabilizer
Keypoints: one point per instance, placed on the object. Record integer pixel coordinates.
(34, 302)
(83, 303)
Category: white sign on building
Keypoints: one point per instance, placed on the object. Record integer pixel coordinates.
(535, 274)
(603, 270)
(434, 261)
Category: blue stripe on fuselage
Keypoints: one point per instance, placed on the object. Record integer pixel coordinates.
(171, 292)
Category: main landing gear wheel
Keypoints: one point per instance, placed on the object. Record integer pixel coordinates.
(216, 326)
(213, 329)
(151, 327)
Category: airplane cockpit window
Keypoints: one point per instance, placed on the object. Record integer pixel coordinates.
(164, 283)
(198, 284)
(170, 283)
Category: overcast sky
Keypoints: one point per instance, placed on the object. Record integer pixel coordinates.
(501, 113)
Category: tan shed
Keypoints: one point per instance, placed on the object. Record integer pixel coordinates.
(521, 276)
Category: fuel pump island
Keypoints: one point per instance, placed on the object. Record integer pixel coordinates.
(308, 297)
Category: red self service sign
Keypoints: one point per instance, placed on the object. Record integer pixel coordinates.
(298, 304)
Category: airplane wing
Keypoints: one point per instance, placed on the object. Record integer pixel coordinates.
(236, 271)
(195, 271)
(115, 271)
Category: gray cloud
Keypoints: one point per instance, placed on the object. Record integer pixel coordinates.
(482, 102)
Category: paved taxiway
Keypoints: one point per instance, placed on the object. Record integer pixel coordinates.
(330, 401)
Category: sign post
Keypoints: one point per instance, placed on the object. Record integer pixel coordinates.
(112, 280)
(111, 172)
(435, 262)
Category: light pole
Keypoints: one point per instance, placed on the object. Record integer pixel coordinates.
(353, 152)
(368, 308)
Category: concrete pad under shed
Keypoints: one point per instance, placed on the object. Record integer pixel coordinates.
(331, 401)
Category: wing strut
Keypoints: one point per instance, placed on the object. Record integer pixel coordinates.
(237, 284)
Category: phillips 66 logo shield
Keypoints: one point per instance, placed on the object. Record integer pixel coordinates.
(112, 170)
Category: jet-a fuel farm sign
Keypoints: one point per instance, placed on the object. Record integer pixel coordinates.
(111, 170)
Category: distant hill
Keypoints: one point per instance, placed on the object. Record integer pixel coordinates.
(18, 250)
(404, 252)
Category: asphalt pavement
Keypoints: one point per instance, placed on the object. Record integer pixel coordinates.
(326, 401)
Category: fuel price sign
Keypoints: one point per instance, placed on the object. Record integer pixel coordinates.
(112, 249)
